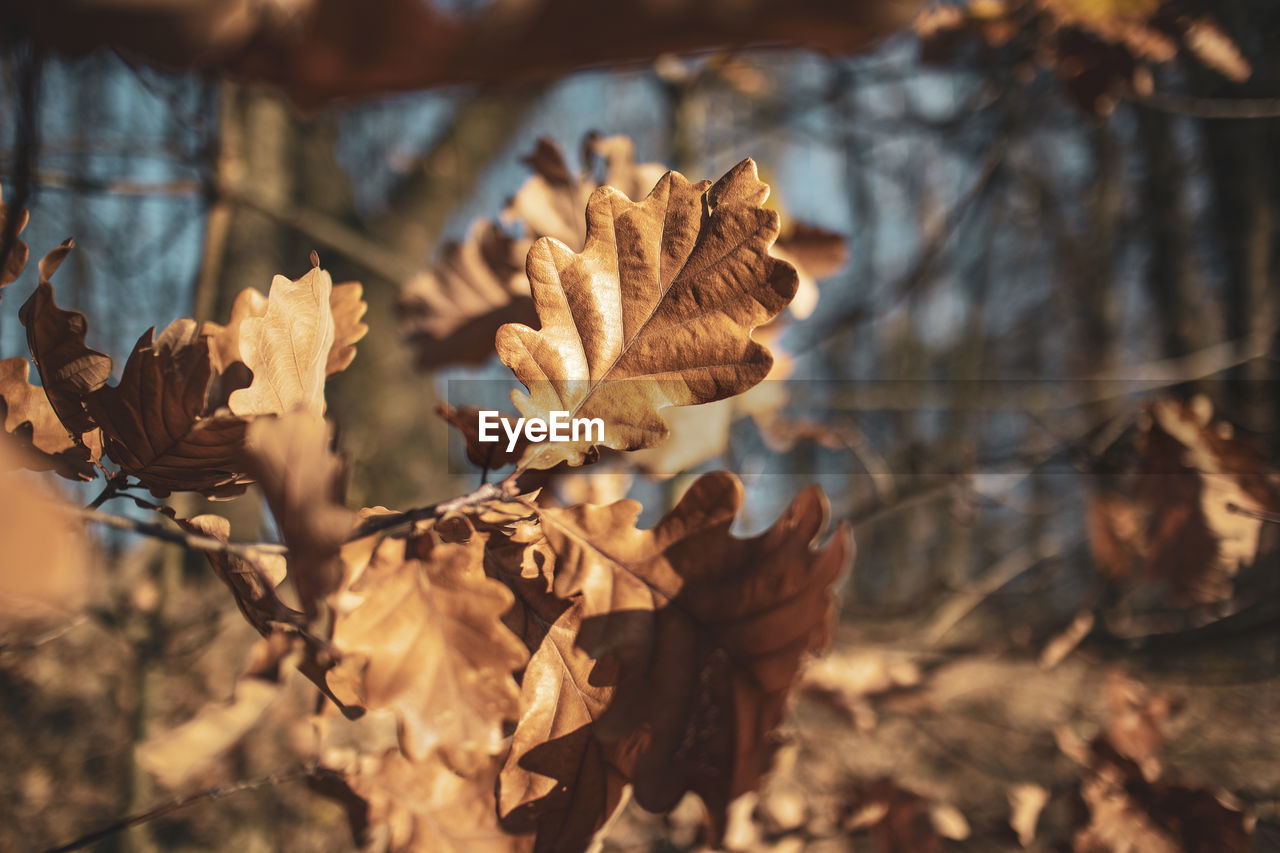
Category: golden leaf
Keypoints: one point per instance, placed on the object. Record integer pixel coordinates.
(31, 422)
(287, 348)
(427, 639)
(656, 311)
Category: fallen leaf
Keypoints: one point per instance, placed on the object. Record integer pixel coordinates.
(707, 630)
(287, 348)
(69, 370)
(656, 311)
(28, 419)
(156, 423)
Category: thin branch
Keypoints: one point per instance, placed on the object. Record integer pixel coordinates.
(207, 795)
(1259, 514)
(1212, 108)
(379, 523)
(248, 550)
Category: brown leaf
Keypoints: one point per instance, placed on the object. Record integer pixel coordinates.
(425, 638)
(421, 807)
(552, 201)
(816, 253)
(656, 311)
(488, 455)
(28, 418)
(303, 483)
(450, 312)
(156, 423)
(347, 305)
(287, 348)
(69, 370)
(252, 581)
(560, 780)
(20, 252)
(224, 341)
(707, 630)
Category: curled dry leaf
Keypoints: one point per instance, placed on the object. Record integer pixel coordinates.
(422, 634)
(30, 421)
(44, 564)
(1179, 515)
(252, 581)
(69, 369)
(157, 426)
(707, 631)
(303, 483)
(16, 260)
(816, 253)
(287, 348)
(656, 311)
(450, 312)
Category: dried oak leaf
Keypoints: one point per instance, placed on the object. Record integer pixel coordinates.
(69, 369)
(18, 254)
(450, 312)
(419, 806)
(28, 419)
(157, 425)
(488, 455)
(287, 347)
(424, 637)
(707, 630)
(551, 202)
(560, 780)
(252, 581)
(347, 305)
(303, 483)
(656, 311)
(1178, 516)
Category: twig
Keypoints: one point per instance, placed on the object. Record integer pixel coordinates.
(1259, 514)
(1212, 108)
(248, 550)
(209, 794)
(379, 523)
